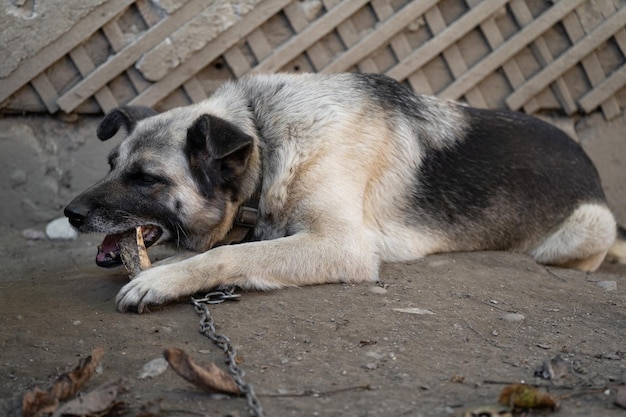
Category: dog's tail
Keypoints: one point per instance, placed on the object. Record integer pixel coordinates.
(617, 252)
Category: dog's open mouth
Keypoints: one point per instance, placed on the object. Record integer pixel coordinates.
(109, 254)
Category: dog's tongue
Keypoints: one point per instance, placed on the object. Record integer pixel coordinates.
(109, 252)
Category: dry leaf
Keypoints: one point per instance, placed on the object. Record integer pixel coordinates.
(210, 378)
(459, 379)
(38, 402)
(526, 396)
(100, 402)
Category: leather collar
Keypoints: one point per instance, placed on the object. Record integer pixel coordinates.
(245, 222)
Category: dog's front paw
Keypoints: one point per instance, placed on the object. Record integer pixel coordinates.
(151, 287)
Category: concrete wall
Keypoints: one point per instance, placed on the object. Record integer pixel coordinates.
(45, 161)
(29, 25)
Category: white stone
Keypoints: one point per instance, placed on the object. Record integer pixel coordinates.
(60, 229)
(513, 317)
(153, 368)
(378, 290)
(34, 234)
(413, 310)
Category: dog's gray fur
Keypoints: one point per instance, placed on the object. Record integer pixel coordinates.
(351, 170)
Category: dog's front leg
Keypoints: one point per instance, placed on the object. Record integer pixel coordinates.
(178, 257)
(301, 259)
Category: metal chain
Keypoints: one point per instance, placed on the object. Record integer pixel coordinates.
(207, 328)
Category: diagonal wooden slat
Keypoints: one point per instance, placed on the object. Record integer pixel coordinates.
(115, 36)
(610, 107)
(401, 47)
(259, 45)
(127, 56)
(46, 92)
(509, 49)
(453, 57)
(408, 39)
(236, 61)
(148, 12)
(452, 34)
(349, 35)
(346, 29)
(567, 60)
(305, 39)
(226, 40)
(193, 88)
(381, 35)
(620, 39)
(590, 64)
(511, 68)
(104, 97)
(84, 28)
(540, 47)
(317, 53)
(604, 90)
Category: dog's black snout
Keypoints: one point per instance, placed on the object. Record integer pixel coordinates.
(76, 214)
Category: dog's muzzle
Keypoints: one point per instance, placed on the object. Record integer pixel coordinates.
(108, 255)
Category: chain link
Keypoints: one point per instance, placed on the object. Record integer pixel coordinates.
(207, 328)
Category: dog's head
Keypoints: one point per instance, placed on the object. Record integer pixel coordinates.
(180, 175)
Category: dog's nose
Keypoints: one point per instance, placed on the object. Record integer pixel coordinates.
(76, 214)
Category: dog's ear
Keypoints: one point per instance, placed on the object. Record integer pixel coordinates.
(223, 146)
(126, 116)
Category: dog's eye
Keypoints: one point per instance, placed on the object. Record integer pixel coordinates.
(148, 179)
(142, 178)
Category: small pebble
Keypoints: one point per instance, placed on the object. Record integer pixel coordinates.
(60, 229)
(438, 263)
(370, 366)
(34, 234)
(153, 368)
(413, 310)
(607, 285)
(378, 290)
(513, 317)
(18, 177)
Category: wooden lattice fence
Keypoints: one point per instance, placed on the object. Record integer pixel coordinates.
(531, 55)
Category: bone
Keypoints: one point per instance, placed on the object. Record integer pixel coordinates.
(134, 253)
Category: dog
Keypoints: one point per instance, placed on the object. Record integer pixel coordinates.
(299, 179)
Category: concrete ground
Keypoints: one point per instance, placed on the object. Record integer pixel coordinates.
(336, 350)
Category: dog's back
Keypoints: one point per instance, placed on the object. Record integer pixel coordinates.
(425, 175)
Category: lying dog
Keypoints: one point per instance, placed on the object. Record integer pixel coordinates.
(320, 178)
